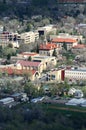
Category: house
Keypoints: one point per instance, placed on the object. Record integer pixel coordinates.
(47, 49)
(70, 42)
(56, 75)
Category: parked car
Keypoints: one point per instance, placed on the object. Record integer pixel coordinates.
(35, 100)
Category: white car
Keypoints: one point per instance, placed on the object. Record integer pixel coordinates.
(35, 100)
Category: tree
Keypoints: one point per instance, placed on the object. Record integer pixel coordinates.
(29, 88)
(8, 57)
(37, 48)
(29, 27)
(54, 53)
(65, 46)
(29, 58)
(10, 45)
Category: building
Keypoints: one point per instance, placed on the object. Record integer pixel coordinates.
(12, 70)
(7, 37)
(67, 35)
(78, 74)
(47, 49)
(29, 65)
(45, 60)
(46, 29)
(29, 37)
(26, 55)
(79, 48)
(70, 42)
(56, 75)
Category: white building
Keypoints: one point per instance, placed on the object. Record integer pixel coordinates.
(46, 29)
(29, 37)
(77, 74)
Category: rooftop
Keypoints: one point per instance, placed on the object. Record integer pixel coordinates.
(79, 46)
(66, 40)
(48, 46)
(28, 63)
(11, 71)
(28, 53)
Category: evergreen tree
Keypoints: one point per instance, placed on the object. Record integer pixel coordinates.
(65, 46)
(29, 58)
(37, 48)
(54, 53)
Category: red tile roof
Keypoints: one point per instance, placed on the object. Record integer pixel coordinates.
(11, 71)
(48, 46)
(28, 63)
(28, 54)
(79, 46)
(67, 40)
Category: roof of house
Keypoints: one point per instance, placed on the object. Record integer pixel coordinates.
(11, 71)
(79, 46)
(28, 54)
(48, 46)
(28, 63)
(61, 40)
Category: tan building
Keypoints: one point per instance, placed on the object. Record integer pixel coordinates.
(56, 75)
(29, 65)
(45, 60)
(29, 37)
